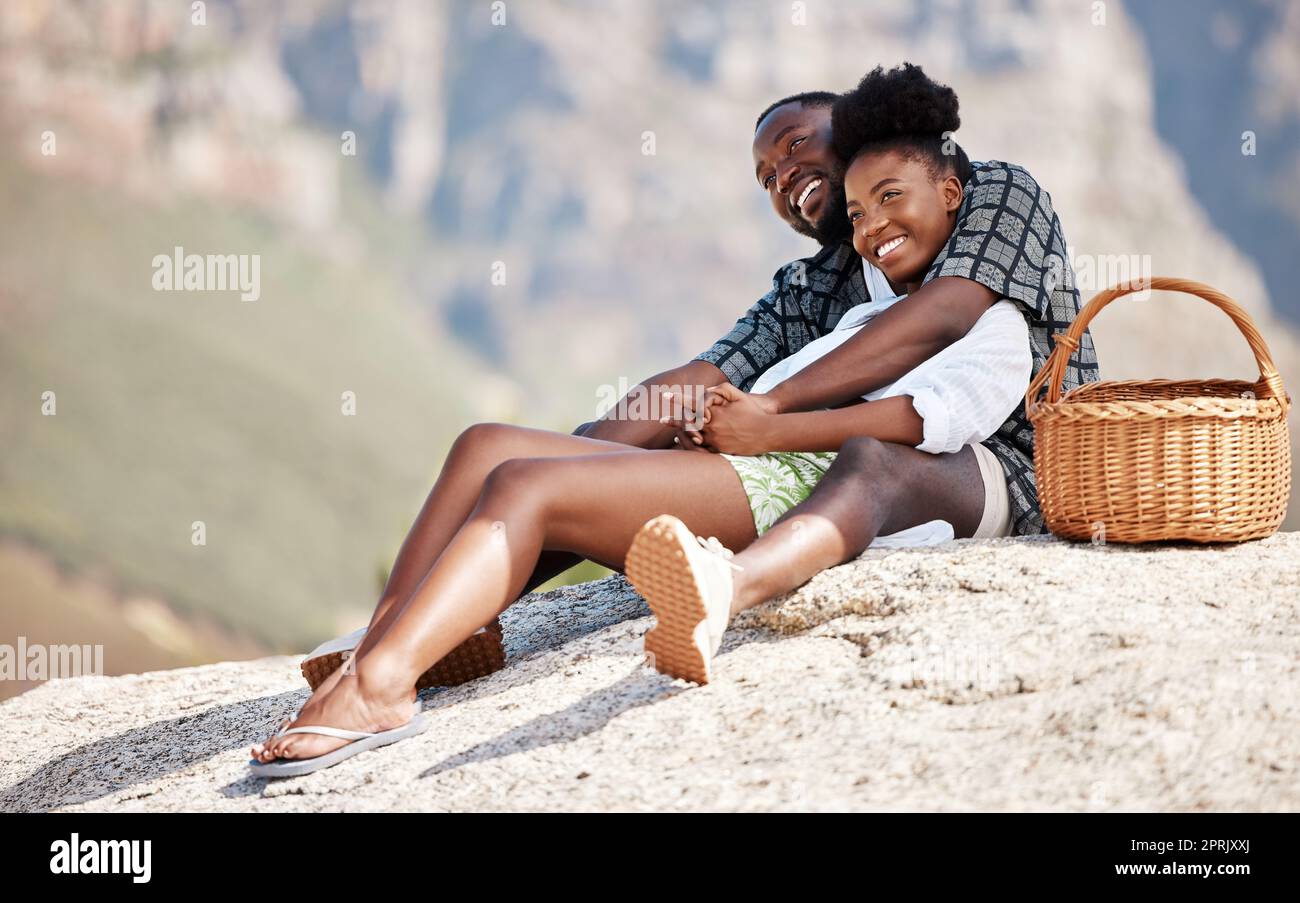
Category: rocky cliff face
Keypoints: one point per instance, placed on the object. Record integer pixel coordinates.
(982, 674)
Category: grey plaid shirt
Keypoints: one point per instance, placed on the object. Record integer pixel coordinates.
(1007, 238)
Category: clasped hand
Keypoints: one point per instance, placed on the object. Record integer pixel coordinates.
(728, 420)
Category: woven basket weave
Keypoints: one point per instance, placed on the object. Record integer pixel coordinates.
(1148, 460)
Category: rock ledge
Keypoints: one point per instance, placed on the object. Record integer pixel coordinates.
(1023, 673)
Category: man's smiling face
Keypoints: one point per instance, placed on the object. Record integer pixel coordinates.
(795, 165)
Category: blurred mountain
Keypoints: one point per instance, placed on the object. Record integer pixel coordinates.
(1222, 73)
(545, 120)
(182, 408)
(544, 198)
(197, 408)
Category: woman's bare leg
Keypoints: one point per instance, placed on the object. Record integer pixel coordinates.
(472, 457)
(592, 505)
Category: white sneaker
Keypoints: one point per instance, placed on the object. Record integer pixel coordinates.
(687, 582)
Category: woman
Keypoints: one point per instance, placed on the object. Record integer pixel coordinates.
(507, 494)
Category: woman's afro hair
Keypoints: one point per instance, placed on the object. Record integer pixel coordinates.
(902, 109)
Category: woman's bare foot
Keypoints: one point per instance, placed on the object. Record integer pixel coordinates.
(347, 666)
(322, 690)
(348, 705)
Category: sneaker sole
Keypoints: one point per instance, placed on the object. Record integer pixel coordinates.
(657, 566)
(480, 655)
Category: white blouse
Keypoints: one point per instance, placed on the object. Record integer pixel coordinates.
(963, 394)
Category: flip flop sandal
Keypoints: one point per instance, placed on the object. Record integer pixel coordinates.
(361, 741)
(480, 655)
(290, 719)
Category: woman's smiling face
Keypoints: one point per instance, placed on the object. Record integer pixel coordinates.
(901, 215)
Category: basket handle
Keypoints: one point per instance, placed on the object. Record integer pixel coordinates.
(1065, 343)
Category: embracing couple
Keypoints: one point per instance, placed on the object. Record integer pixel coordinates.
(873, 397)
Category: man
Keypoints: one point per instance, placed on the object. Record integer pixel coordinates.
(794, 162)
(1005, 237)
(1005, 229)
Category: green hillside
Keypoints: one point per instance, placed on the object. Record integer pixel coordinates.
(175, 407)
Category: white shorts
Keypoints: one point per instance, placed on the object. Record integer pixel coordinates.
(997, 503)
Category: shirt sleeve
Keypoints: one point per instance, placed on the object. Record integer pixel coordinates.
(965, 393)
(807, 300)
(755, 343)
(1004, 238)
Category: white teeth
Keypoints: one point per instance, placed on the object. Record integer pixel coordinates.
(807, 191)
(890, 245)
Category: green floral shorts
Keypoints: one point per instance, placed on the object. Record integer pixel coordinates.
(777, 481)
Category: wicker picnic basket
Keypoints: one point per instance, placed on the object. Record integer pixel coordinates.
(1148, 460)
